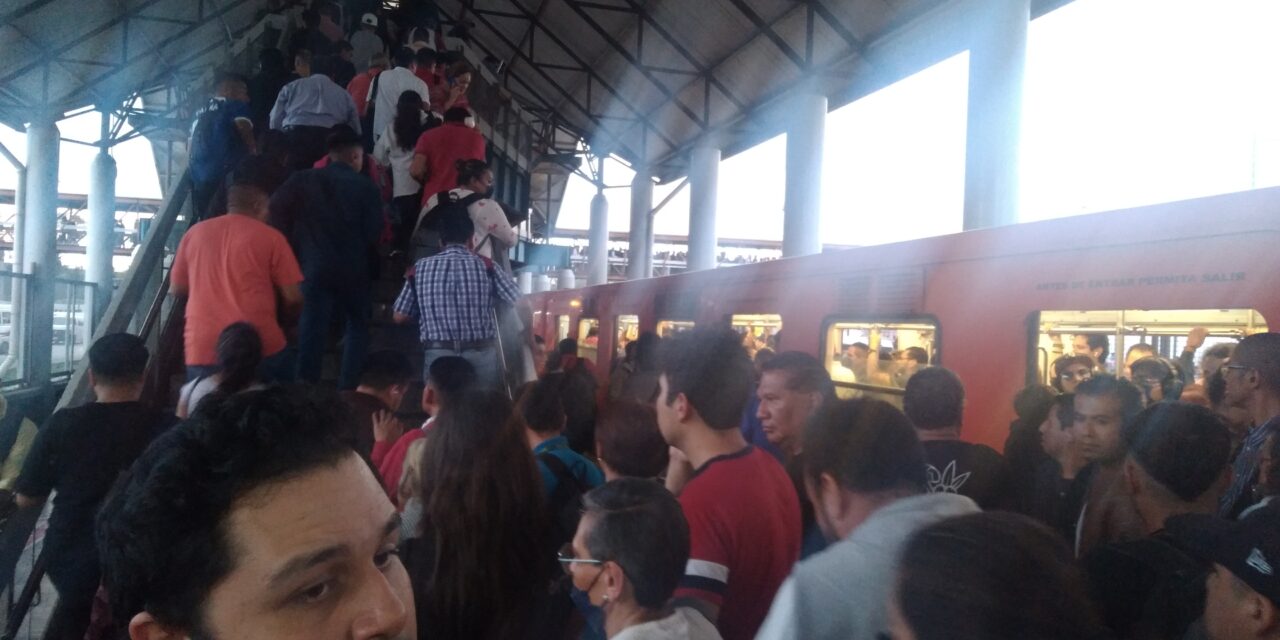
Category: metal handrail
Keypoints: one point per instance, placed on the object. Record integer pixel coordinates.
(862, 386)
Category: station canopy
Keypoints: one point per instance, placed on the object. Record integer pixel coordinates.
(643, 79)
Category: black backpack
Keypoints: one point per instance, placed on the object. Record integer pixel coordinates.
(448, 204)
(566, 500)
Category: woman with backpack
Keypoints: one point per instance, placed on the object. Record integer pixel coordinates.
(494, 234)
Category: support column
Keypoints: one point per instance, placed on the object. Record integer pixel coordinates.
(102, 223)
(704, 177)
(802, 208)
(640, 260)
(39, 251)
(598, 243)
(524, 280)
(997, 62)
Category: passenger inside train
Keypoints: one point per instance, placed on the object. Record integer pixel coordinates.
(675, 473)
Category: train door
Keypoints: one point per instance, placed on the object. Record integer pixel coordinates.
(626, 329)
(589, 339)
(1133, 333)
(876, 358)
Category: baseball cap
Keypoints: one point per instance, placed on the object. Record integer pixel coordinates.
(369, 19)
(1248, 548)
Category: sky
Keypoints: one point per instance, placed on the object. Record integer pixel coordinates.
(1126, 102)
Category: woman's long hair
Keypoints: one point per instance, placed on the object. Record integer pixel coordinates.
(239, 356)
(484, 510)
(470, 170)
(408, 121)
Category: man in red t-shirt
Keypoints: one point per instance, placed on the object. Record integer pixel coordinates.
(436, 156)
(232, 269)
(743, 512)
(361, 84)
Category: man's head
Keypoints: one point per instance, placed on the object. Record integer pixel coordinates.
(629, 443)
(117, 363)
(232, 86)
(250, 190)
(302, 62)
(1158, 378)
(255, 520)
(1178, 455)
(446, 378)
(1253, 372)
(1243, 599)
(387, 375)
(1056, 434)
(345, 147)
(424, 60)
(792, 386)
(704, 381)
(1235, 416)
(379, 61)
(456, 227)
(859, 455)
(1213, 359)
(1102, 406)
(1094, 345)
(912, 359)
(1136, 353)
(934, 399)
(457, 115)
(403, 57)
(346, 51)
(368, 22)
(541, 408)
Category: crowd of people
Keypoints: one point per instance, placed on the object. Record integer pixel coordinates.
(705, 487)
(698, 495)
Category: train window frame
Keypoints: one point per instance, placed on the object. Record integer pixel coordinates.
(745, 321)
(657, 327)
(1037, 367)
(829, 323)
(563, 320)
(581, 336)
(620, 341)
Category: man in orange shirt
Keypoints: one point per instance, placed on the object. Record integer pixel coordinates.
(232, 268)
(359, 85)
(436, 156)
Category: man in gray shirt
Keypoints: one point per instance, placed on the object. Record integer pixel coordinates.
(865, 473)
(307, 109)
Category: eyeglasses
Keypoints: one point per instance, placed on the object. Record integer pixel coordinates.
(567, 559)
(1228, 367)
(1083, 374)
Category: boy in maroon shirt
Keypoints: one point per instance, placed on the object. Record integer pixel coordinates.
(743, 512)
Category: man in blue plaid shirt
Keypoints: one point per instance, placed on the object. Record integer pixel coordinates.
(1253, 382)
(452, 295)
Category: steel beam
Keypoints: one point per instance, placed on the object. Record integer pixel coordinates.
(23, 10)
(769, 33)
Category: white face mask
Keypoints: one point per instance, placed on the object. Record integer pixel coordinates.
(470, 122)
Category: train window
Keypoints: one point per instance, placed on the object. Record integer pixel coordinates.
(588, 339)
(1165, 331)
(668, 328)
(562, 327)
(875, 359)
(757, 330)
(626, 329)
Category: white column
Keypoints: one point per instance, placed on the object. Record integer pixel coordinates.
(598, 243)
(568, 279)
(997, 62)
(541, 282)
(102, 222)
(640, 260)
(704, 176)
(524, 280)
(802, 214)
(39, 251)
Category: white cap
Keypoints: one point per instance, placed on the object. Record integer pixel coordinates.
(369, 19)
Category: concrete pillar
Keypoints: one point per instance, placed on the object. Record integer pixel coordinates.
(598, 243)
(102, 223)
(802, 208)
(39, 250)
(997, 62)
(640, 238)
(524, 280)
(704, 176)
(568, 279)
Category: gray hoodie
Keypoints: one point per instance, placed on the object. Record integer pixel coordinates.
(842, 592)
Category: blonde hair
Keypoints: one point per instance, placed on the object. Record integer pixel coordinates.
(411, 478)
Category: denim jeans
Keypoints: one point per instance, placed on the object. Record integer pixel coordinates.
(318, 304)
(485, 361)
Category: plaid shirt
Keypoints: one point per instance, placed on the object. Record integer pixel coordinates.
(1245, 468)
(452, 293)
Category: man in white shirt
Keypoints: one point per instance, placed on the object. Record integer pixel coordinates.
(390, 84)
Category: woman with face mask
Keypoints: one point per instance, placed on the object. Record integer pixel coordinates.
(628, 556)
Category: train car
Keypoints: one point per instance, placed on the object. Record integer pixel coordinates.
(993, 305)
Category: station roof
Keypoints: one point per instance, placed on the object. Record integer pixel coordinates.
(65, 55)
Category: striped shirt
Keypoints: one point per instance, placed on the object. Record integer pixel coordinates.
(452, 294)
(1245, 468)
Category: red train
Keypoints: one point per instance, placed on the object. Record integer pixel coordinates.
(986, 304)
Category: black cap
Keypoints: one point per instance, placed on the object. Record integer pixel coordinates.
(1249, 548)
